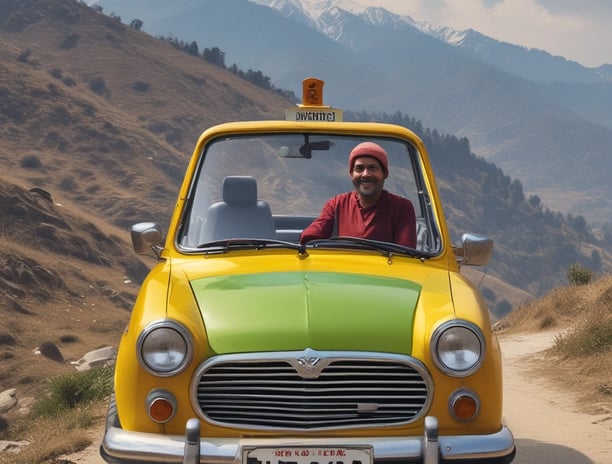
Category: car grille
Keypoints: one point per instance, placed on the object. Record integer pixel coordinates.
(310, 390)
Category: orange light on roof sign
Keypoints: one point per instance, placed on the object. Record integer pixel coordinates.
(312, 92)
(312, 107)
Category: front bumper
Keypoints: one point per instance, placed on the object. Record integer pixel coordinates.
(125, 447)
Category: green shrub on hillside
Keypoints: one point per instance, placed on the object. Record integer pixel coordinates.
(69, 391)
(577, 274)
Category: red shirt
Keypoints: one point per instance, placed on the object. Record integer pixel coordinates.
(392, 219)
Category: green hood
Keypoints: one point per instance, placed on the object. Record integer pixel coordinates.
(296, 310)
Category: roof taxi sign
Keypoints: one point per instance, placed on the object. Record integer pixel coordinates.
(312, 107)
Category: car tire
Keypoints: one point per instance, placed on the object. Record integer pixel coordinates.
(112, 418)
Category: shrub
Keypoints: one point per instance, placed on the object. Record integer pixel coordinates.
(57, 73)
(98, 86)
(60, 115)
(54, 139)
(24, 56)
(31, 162)
(579, 275)
(136, 24)
(503, 308)
(593, 337)
(4, 425)
(69, 339)
(68, 184)
(140, 86)
(7, 339)
(69, 82)
(69, 391)
(70, 42)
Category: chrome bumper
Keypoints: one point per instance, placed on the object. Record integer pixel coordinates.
(123, 447)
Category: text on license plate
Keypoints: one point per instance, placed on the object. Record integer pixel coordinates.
(307, 455)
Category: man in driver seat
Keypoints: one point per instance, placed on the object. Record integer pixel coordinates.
(369, 211)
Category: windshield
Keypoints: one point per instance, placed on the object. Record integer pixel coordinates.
(273, 186)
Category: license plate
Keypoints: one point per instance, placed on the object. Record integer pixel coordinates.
(307, 455)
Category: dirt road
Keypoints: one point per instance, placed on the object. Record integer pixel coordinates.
(547, 426)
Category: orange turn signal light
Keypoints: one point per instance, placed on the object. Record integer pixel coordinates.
(161, 406)
(464, 405)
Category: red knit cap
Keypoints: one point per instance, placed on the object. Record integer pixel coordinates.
(372, 150)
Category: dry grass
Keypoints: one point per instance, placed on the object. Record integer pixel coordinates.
(51, 437)
(582, 353)
(62, 418)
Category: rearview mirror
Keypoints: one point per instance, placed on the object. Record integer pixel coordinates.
(476, 250)
(145, 236)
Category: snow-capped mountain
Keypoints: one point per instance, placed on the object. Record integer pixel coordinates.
(326, 17)
(530, 63)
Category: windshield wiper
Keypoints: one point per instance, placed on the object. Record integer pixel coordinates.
(225, 245)
(233, 244)
(387, 248)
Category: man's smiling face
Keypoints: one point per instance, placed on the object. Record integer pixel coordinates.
(368, 177)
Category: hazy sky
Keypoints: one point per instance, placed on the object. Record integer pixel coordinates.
(579, 30)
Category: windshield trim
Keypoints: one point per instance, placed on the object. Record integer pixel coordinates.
(423, 196)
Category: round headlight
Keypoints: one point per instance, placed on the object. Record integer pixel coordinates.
(164, 348)
(458, 348)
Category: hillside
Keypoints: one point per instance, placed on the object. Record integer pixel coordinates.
(97, 123)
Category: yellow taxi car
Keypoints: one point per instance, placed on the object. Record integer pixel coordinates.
(248, 344)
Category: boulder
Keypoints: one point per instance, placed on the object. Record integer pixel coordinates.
(101, 357)
(51, 351)
(13, 447)
(8, 400)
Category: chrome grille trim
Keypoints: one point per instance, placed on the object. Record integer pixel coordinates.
(311, 390)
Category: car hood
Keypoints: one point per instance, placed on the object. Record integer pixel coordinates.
(295, 310)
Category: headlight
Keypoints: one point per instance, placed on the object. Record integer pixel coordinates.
(457, 348)
(164, 348)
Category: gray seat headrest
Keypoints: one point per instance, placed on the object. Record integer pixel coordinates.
(240, 191)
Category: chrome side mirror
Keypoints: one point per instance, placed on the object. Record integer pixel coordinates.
(476, 250)
(146, 236)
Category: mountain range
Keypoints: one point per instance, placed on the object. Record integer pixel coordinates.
(543, 119)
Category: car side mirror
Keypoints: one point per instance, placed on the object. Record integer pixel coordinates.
(145, 237)
(475, 250)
